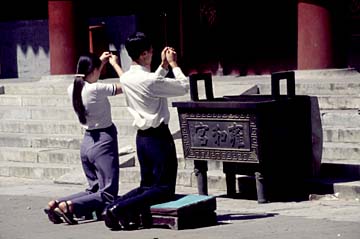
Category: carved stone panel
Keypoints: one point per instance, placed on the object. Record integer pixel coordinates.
(219, 136)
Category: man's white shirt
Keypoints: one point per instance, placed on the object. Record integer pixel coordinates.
(146, 94)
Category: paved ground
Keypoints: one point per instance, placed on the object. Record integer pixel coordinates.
(22, 202)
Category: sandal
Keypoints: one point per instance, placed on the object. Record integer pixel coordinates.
(53, 217)
(67, 216)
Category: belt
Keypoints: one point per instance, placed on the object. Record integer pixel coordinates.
(100, 130)
(151, 131)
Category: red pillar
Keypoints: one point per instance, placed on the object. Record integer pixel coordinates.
(62, 37)
(315, 45)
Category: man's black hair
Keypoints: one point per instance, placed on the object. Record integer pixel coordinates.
(136, 44)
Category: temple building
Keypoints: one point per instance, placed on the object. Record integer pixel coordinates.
(222, 37)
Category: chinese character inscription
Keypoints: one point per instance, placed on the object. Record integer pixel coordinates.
(230, 134)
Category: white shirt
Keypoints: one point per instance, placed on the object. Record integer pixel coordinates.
(146, 94)
(96, 103)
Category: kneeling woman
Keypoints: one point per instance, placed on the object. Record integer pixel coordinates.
(99, 147)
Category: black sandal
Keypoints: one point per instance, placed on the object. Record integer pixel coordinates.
(67, 216)
(53, 217)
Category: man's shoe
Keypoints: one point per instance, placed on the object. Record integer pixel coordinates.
(115, 220)
(110, 220)
(146, 219)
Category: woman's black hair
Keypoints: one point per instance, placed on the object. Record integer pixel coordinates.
(136, 44)
(86, 65)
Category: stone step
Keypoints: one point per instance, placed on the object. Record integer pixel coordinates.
(53, 113)
(339, 151)
(338, 102)
(345, 118)
(332, 152)
(334, 180)
(51, 155)
(185, 177)
(59, 87)
(344, 88)
(35, 88)
(346, 189)
(40, 155)
(41, 127)
(341, 134)
(51, 85)
(313, 85)
(318, 88)
(342, 187)
(63, 156)
(53, 163)
(335, 189)
(72, 173)
(61, 101)
(49, 141)
(30, 148)
(49, 100)
(34, 170)
(61, 113)
(70, 127)
(52, 170)
(325, 101)
(306, 85)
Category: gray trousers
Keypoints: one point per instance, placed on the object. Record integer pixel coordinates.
(100, 162)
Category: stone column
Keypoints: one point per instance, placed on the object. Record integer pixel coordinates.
(315, 46)
(62, 37)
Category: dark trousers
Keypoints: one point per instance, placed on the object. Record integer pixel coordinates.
(100, 162)
(158, 168)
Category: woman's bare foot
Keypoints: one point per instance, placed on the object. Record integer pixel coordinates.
(65, 210)
(53, 204)
(66, 207)
(50, 211)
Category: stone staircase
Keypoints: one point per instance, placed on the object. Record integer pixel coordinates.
(40, 135)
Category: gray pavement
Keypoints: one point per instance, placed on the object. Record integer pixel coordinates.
(22, 202)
